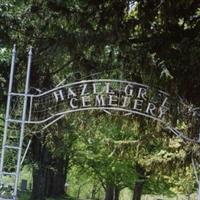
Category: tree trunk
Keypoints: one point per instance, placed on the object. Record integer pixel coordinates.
(50, 174)
(138, 187)
(93, 193)
(188, 197)
(138, 190)
(56, 178)
(112, 192)
(41, 158)
(38, 190)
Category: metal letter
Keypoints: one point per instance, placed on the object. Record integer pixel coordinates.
(95, 88)
(108, 90)
(112, 102)
(138, 102)
(85, 100)
(58, 95)
(142, 93)
(128, 90)
(72, 100)
(126, 102)
(150, 108)
(99, 100)
(70, 93)
(84, 90)
(163, 109)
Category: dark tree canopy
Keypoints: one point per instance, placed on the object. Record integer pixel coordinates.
(156, 42)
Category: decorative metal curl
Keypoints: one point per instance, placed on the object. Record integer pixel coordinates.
(196, 111)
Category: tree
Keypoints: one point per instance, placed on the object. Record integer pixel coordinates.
(155, 42)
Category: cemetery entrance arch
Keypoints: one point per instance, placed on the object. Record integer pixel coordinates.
(108, 95)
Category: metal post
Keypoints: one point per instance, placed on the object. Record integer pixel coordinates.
(7, 109)
(196, 176)
(23, 122)
(199, 191)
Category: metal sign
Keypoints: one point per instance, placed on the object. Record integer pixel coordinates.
(112, 95)
(107, 95)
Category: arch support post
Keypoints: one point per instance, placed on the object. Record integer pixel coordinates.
(195, 166)
(198, 197)
(23, 121)
(7, 111)
(19, 125)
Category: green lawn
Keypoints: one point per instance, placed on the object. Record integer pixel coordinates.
(125, 195)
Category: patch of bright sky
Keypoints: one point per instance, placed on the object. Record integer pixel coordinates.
(132, 6)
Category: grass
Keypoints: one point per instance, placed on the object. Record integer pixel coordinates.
(24, 196)
(125, 195)
(27, 195)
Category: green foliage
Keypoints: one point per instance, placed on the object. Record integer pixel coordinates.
(153, 42)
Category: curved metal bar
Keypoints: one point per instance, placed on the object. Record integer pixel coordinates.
(95, 81)
(95, 108)
(180, 134)
(196, 110)
(58, 115)
(167, 127)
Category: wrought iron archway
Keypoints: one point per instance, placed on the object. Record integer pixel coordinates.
(107, 95)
